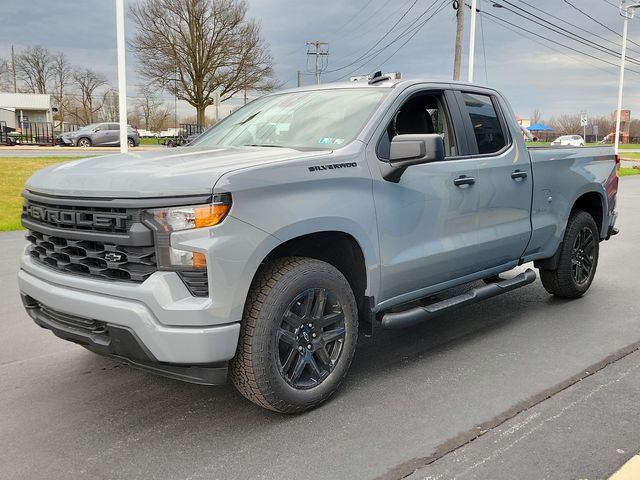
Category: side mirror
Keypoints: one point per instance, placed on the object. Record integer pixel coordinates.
(97, 129)
(408, 150)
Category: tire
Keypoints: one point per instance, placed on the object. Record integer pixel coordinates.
(578, 258)
(273, 366)
(84, 142)
(131, 143)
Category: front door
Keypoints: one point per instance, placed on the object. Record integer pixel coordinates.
(426, 221)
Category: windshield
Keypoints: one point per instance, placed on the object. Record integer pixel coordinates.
(319, 119)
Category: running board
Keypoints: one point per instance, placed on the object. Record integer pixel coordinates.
(413, 316)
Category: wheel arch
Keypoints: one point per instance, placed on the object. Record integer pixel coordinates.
(341, 250)
(594, 204)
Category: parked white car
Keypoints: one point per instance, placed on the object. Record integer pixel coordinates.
(570, 140)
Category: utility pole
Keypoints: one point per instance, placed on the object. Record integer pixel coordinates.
(13, 70)
(321, 50)
(459, 31)
(299, 78)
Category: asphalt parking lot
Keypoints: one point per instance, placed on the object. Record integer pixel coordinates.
(521, 386)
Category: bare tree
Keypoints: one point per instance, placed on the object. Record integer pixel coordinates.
(536, 117)
(110, 107)
(195, 48)
(88, 82)
(153, 111)
(605, 123)
(34, 68)
(62, 75)
(5, 75)
(567, 123)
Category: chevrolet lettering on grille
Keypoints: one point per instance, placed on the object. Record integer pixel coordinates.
(75, 218)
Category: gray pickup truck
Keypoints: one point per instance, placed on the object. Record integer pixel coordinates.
(302, 219)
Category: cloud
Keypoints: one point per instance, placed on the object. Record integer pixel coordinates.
(532, 74)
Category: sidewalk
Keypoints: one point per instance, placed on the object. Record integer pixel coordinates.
(562, 437)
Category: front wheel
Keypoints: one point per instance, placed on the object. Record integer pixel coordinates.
(578, 258)
(84, 142)
(298, 335)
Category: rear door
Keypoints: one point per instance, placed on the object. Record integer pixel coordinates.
(114, 134)
(504, 181)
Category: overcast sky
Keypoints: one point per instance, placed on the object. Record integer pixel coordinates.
(531, 74)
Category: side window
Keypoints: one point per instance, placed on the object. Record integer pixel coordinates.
(114, 126)
(421, 114)
(486, 124)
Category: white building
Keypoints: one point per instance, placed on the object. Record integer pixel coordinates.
(20, 109)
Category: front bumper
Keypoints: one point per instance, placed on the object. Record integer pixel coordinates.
(120, 342)
(63, 141)
(177, 345)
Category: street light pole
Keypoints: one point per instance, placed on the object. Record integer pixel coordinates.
(122, 76)
(627, 13)
(472, 39)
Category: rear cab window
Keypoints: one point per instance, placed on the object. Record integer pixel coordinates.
(488, 126)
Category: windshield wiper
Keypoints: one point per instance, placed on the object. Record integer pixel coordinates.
(262, 145)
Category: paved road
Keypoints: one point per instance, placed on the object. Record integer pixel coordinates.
(414, 399)
(30, 152)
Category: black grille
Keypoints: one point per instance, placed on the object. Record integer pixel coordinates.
(94, 259)
(196, 282)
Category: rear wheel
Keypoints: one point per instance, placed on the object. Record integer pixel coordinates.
(298, 335)
(130, 142)
(84, 142)
(578, 258)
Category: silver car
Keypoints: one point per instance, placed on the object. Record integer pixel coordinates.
(99, 135)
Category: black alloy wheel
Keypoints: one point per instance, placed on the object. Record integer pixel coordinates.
(310, 338)
(582, 256)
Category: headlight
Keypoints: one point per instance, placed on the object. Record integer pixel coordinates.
(174, 219)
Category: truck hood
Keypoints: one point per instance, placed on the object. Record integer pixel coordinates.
(158, 173)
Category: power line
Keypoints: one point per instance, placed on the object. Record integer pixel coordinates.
(508, 26)
(358, 12)
(417, 29)
(558, 30)
(377, 43)
(556, 42)
(407, 30)
(598, 21)
(577, 26)
(484, 51)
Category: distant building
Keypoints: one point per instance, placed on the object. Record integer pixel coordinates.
(18, 110)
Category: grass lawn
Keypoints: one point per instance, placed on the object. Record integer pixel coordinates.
(14, 172)
(630, 155)
(626, 171)
(149, 141)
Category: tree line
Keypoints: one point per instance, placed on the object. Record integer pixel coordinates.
(195, 50)
(80, 95)
(569, 124)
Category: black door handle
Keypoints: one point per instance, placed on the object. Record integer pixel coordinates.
(463, 180)
(519, 175)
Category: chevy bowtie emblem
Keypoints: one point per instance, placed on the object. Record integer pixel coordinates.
(113, 257)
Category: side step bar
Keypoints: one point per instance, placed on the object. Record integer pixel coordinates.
(413, 316)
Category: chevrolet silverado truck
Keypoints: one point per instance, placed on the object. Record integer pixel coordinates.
(307, 216)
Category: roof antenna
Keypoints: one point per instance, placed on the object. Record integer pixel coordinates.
(377, 78)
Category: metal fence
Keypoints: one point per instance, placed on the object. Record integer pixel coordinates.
(35, 133)
(185, 131)
(4, 138)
